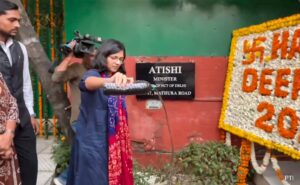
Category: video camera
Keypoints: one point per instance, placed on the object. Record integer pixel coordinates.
(84, 44)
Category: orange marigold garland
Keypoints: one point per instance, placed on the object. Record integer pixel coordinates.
(225, 137)
(278, 170)
(262, 168)
(38, 28)
(243, 170)
(222, 135)
(52, 24)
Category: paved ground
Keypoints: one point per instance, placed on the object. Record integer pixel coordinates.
(290, 170)
(46, 165)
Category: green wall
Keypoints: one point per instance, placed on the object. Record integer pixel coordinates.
(171, 27)
(45, 37)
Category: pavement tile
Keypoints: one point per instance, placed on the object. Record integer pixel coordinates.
(44, 178)
(46, 165)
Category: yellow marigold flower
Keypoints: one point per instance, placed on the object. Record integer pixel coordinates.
(268, 58)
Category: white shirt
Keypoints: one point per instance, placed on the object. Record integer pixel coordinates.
(27, 87)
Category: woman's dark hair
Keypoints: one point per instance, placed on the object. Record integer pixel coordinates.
(108, 47)
(7, 5)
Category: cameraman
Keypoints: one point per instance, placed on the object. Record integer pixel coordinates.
(70, 70)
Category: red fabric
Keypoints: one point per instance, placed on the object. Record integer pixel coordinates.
(120, 155)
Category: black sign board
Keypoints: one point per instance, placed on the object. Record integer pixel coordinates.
(174, 81)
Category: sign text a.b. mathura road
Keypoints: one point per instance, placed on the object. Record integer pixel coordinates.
(173, 80)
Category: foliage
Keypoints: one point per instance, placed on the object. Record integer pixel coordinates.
(211, 163)
(142, 174)
(61, 153)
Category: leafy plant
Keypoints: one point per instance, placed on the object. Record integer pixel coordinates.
(211, 163)
(141, 174)
(61, 153)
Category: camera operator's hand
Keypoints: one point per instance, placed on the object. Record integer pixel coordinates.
(69, 60)
(71, 45)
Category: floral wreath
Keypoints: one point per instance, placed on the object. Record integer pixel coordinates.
(261, 97)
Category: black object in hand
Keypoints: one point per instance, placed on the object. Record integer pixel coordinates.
(84, 44)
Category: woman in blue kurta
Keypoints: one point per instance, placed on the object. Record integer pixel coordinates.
(99, 123)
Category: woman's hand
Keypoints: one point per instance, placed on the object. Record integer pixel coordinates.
(7, 154)
(93, 83)
(120, 79)
(6, 140)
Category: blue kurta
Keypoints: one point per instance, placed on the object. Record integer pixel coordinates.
(89, 160)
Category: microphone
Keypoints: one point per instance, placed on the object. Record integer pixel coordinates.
(139, 87)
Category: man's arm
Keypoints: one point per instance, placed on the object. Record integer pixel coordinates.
(27, 89)
(27, 86)
(62, 72)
